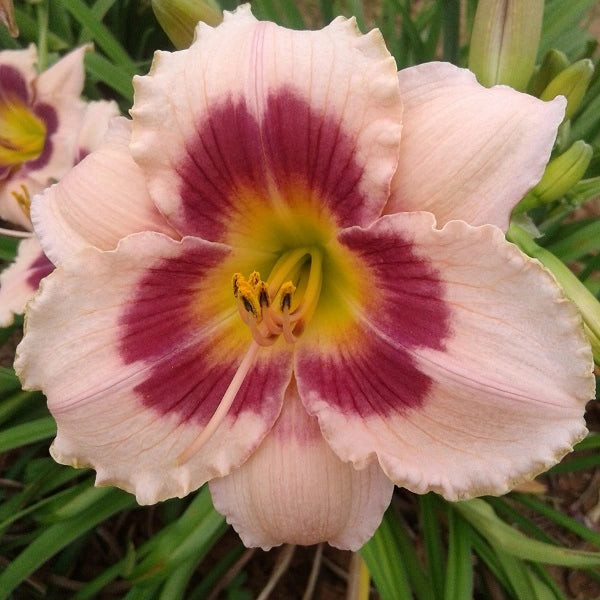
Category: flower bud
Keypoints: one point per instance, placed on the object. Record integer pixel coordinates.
(560, 176)
(554, 62)
(7, 16)
(505, 41)
(572, 83)
(179, 18)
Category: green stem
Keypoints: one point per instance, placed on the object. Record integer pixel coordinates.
(42, 18)
(451, 25)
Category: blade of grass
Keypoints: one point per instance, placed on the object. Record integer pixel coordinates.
(99, 10)
(386, 563)
(27, 433)
(591, 442)
(485, 553)
(584, 241)
(459, 570)
(508, 512)
(21, 401)
(517, 575)
(101, 35)
(432, 536)
(559, 18)
(417, 578)
(192, 534)
(292, 15)
(576, 464)
(356, 9)
(8, 247)
(9, 382)
(106, 72)
(507, 539)
(543, 575)
(28, 28)
(451, 29)
(55, 537)
(176, 583)
(564, 521)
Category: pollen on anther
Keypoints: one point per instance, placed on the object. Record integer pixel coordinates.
(262, 291)
(254, 279)
(286, 293)
(247, 296)
(235, 281)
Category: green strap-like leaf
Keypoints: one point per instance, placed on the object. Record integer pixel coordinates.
(511, 541)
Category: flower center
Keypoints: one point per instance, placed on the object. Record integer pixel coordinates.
(284, 303)
(22, 134)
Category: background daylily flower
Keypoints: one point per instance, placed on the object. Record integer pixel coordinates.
(230, 305)
(45, 128)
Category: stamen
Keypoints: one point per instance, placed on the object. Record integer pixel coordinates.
(288, 334)
(262, 291)
(235, 281)
(23, 200)
(223, 408)
(287, 292)
(254, 279)
(259, 338)
(268, 308)
(247, 297)
(16, 234)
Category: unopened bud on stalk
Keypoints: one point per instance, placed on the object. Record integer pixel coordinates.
(554, 63)
(505, 41)
(564, 172)
(7, 16)
(572, 83)
(179, 18)
(560, 176)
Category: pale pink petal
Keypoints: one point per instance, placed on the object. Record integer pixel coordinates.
(64, 78)
(100, 201)
(469, 152)
(94, 126)
(22, 60)
(467, 370)
(257, 115)
(134, 350)
(295, 490)
(19, 281)
(10, 209)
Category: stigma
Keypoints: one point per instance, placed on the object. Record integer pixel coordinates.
(282, 305)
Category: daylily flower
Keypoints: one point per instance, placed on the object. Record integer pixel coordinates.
(45, 128)
(231, 305)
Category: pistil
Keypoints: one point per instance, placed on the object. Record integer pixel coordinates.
(223, 408)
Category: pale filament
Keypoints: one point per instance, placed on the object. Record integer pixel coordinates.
(16, 234)
(267, 319)
(224, 406)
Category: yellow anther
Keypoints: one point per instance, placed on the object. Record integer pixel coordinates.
(262, 292)
(286, 294)
(247, 296)
(254, 279)
(23, 200)
(235, 282)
